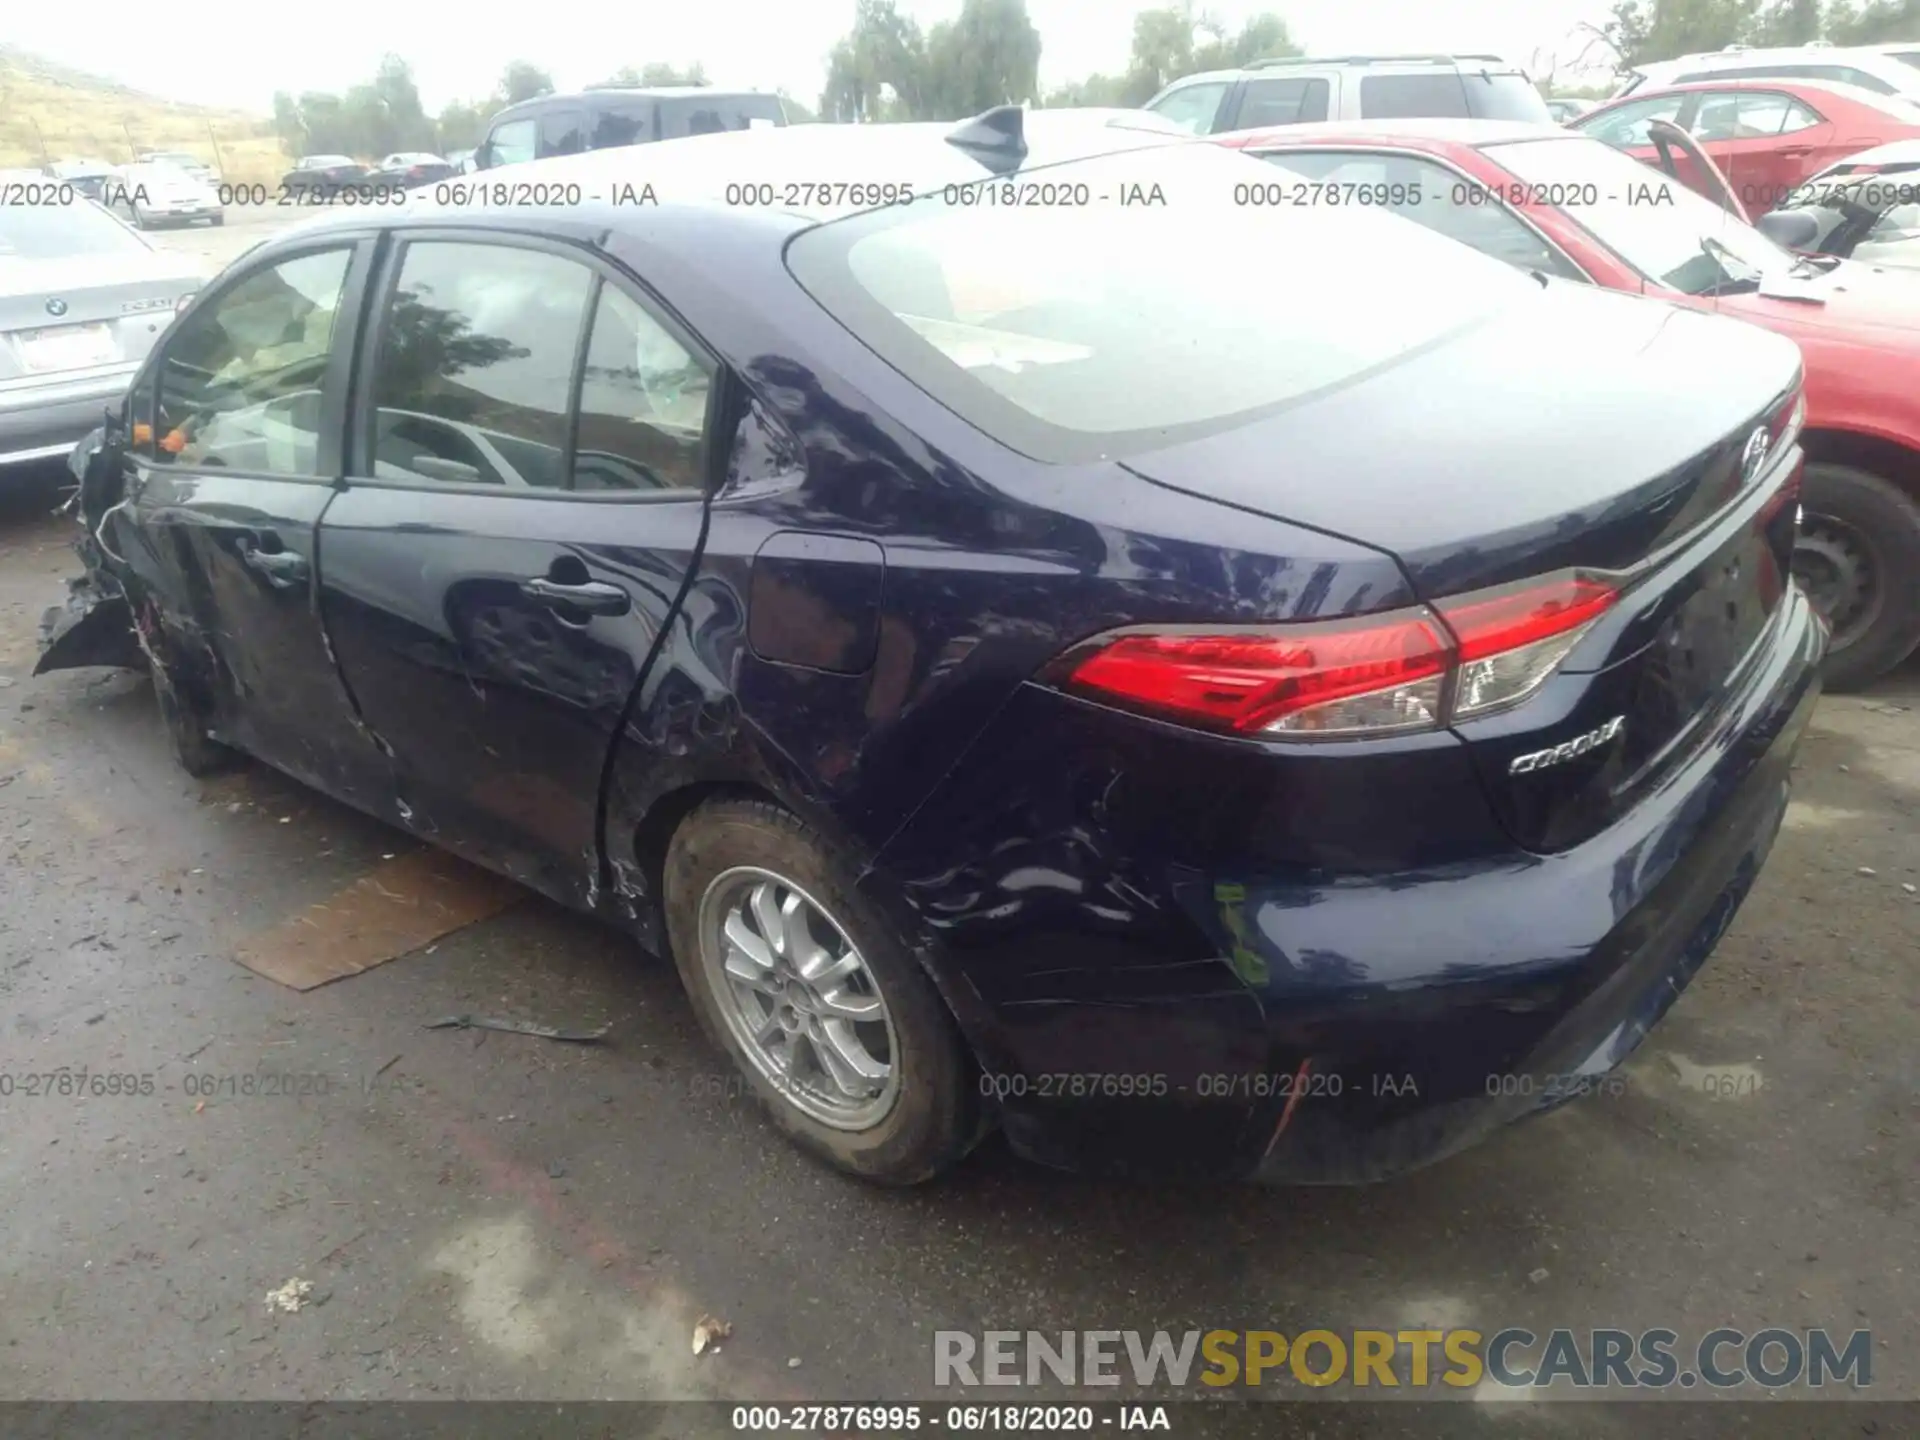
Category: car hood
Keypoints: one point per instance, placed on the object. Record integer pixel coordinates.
(1481, 459)
(1869, 304)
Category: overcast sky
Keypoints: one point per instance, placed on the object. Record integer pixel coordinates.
(236, 53)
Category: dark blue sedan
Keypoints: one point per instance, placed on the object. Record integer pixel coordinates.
(1040, 636)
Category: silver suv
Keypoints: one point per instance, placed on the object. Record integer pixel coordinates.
(1351, 87)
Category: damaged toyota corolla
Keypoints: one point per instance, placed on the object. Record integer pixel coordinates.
(1246, 718)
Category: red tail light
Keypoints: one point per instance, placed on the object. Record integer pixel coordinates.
(1406, 670)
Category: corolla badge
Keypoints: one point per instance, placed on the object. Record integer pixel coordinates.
(1560, 754)
(56, 306)
(1754, 457)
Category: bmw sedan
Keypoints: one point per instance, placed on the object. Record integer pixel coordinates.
(82, 300)
(1200, 726)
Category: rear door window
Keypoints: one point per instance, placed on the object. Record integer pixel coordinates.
(475, 366)
(1394, 97)
(1292, 101)
(623, 122)
(710, 115)
(1628, 126)
(562, 132)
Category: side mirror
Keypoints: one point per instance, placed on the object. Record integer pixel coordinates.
(483, 155)
(1793, 229)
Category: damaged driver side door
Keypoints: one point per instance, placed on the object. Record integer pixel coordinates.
(234, 452)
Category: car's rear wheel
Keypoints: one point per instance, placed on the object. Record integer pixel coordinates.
(1858, 558)
(826, 1013)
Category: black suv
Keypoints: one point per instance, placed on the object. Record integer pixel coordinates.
(601, 119)
(1302, 88)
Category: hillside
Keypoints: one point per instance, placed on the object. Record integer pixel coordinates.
(52, 112)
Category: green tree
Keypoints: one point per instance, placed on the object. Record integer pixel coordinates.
(523, 80)
(1878, 22)
(1173, 42)
(876, 71)
(1789, 22)
(460, 125)
(659, 72)
(1643, 31)
(989, 56)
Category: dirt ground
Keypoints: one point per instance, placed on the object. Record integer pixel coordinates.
(495, 1216)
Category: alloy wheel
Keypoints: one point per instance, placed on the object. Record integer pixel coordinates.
(798, 998)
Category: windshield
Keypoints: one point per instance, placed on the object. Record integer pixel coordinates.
(1090, 327)
(54, 232)
(1653, 222)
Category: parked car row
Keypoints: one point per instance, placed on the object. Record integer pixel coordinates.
(83, 299)
(975, 649)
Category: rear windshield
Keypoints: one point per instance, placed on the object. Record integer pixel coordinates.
(1090, 329)
(53, 232)
(1465, 93)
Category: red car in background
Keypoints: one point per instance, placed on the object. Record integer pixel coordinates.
(1765, 136)
(1572, 209)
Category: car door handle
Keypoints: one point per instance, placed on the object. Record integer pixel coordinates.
(596, 597)
(283, 568)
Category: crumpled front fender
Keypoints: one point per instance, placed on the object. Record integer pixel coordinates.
(93, 627)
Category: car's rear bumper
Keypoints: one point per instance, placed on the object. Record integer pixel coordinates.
(44, 417)
(1317, 1023)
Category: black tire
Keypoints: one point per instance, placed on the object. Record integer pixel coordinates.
(197, 752)
(935, 1116)
(1877, 525)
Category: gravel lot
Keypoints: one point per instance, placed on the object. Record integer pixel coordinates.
(504, 1217)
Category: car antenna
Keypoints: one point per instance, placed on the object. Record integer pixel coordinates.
(996, 138)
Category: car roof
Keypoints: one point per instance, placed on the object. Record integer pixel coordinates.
(1857, 93)
(1435, 130)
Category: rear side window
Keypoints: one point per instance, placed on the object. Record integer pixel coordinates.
(1750, 115)
(701, 115)
(562, 132)
(1394, 97)
(1067, 335)
(622, 122)
(1191, 107)
(1282, 102)
(476, 366)
(240, 380)
(511, 143)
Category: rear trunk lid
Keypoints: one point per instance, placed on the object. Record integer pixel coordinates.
(1479, 462)
(64, 315)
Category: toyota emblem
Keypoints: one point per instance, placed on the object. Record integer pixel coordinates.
(56, 306)
(1755, 455)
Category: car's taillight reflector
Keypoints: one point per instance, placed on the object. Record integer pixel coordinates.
(1305, 677)
(1412, 669)
(1511, 639)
